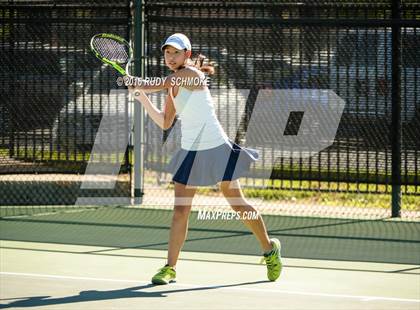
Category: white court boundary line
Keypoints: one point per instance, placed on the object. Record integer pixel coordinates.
(359, 297)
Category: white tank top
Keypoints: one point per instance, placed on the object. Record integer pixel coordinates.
(200, 128)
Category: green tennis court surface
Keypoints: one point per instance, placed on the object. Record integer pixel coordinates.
(382, 240)
(104, 259)
(41, 275)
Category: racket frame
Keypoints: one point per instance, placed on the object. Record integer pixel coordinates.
(115, 65)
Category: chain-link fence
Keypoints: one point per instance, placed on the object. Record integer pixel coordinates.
(343, 46)
(54, 94)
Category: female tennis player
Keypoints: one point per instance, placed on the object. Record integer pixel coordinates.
(207, 156)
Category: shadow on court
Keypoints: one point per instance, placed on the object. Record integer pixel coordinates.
(92, 295)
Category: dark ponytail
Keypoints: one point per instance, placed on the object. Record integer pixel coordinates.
(199, 64)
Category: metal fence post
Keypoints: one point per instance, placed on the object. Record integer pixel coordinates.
(396, 109)
(138, 111)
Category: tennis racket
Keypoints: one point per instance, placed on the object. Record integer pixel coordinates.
(112, 50)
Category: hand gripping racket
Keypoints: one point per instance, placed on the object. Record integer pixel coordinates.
(112, 50)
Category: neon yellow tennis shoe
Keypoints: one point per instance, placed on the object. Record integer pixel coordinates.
(273, 261)
(165, 275)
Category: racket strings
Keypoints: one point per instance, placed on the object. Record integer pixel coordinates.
(111, 49)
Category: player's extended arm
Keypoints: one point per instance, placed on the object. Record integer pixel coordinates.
(163, 119)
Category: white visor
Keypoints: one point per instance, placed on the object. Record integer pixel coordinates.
(179, 41)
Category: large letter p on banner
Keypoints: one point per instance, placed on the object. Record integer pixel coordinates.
(320, 113)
